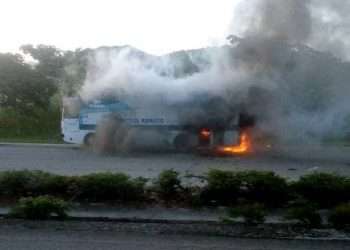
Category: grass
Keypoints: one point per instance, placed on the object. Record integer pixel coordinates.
(42, 128)
(52, 138)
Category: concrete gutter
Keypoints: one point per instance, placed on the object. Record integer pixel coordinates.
(178, 221)
(175, 227)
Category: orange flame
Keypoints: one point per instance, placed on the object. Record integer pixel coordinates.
(244, 146)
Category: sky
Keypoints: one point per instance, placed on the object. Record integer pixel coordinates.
(155, 26)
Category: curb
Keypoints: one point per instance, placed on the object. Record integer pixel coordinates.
(276, 231)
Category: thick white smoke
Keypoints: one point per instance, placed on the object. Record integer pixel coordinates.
(275, 71)
(130, 73)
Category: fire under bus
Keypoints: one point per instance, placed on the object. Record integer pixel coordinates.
(181, 127)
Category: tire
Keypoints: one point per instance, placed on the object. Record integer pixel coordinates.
(89, 140)
(182, 142)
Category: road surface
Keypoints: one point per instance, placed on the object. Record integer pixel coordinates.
(291, 162)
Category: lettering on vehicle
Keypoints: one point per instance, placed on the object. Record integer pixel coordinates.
(132, 120)
(152, 120)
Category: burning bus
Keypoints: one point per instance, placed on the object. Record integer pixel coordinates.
(205, 125)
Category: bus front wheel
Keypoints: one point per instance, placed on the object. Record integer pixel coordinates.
(182, 142)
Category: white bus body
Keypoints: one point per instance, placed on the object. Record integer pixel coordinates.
(79, 121)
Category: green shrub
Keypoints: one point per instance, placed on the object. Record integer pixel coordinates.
(40, 208)
(193, 197)
(306, 214)
(56, 185)
(18, 183)
(168, 185)
(251, 213)
(340, 216)
(223, 188)
(325, 190)
(32, 183)
(264, 187)
(109, 187)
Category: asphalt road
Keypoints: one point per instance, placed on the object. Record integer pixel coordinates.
(14, 237)
(289, 162)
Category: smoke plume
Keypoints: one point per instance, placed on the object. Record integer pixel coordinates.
(286, 66)
(322, 24)
(288, 20)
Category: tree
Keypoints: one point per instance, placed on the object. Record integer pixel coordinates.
(66, 68)
(23, 88)
(50, 60)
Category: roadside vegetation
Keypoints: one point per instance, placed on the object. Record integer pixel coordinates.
(340, 216)
(168, 186)
(304, 213)
(40, 208)
(251, 213)
(325, 190)
(108, 187)
(248, 195)
(31, 91)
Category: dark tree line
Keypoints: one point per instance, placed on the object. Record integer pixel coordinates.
(66, 69)
(30, 92)
(22, 87)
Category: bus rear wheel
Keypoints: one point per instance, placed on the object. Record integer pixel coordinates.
(89, 140)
